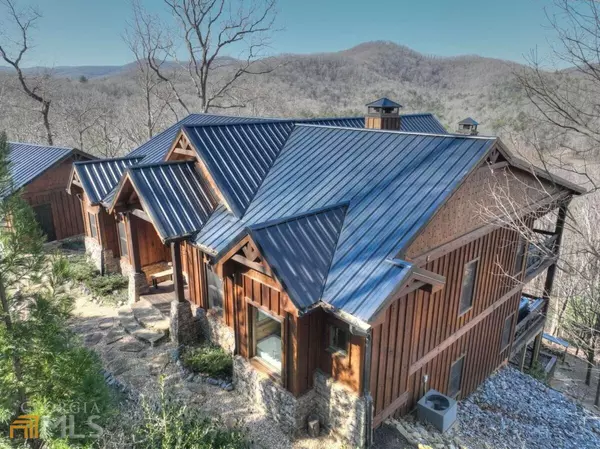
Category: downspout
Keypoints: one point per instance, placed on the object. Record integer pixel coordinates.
(367, 390)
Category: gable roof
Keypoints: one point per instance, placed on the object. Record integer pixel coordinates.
(29, 161)
(392, 182)
(468, 121)
(299, 251)
(173, 194)
(99, 177)
(421, 123)
(239, 156)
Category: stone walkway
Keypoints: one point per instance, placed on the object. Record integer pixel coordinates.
(138, 366)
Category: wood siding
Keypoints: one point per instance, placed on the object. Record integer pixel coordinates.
(423, 334)
(194, 266)
(152, 250)
(50, 188)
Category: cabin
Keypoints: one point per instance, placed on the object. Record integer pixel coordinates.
(346, 263)
(39, 173)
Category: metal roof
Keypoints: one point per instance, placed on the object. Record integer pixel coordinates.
(174, 195)
(299, 250)
(468, 121)
(28, 161)
(393, 182)
(384, 103)
(156, 148)
(239, 156)
(421, 123)
(101, 176)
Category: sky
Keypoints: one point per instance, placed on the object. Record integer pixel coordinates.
(89, 32)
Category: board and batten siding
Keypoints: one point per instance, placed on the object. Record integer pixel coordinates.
(423, 334)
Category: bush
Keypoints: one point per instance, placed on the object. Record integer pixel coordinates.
(81, 269)
(210, 360)
(170, 424)
(107, 284)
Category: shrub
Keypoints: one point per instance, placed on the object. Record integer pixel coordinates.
(209, 359)
(170, 424)
(81, 269)
(107, 284)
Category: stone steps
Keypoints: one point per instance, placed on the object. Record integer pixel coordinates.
(144, 322)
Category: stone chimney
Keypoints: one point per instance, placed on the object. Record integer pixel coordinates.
(468, 126)
(383, 114)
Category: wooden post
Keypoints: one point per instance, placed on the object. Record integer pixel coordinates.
(560, 225)
(523, 356)
(177, 273)
(134, 250)
(537, 343)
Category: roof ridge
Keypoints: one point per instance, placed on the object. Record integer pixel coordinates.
(41, 145)
(162, 164)
(270, 121)
(410, 133)
(279, 221)
(111, 159)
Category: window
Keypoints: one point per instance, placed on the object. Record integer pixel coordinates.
(520, 255)
(122, 239)
(93, 225)
(456, 371)
(266, 332)
(468, 285)
(338, 340)
(506, 332)
(214, 288)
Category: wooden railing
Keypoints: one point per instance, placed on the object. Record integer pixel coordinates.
(531, 322)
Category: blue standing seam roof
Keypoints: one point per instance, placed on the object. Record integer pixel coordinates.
(239, 156)
(299, 251)
(99, 177)
(28, 161)
(383, 103)
(393, 182)
(174, 195)
(421, 123)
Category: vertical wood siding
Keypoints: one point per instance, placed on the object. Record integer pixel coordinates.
(193, 264)
(50, 188)
(418, 334)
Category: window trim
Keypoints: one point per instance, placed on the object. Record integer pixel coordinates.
(462, 370)
(510, 317)
(119, 224)
(263, 366)
(474, 290)
(95, 227)
(333, 349)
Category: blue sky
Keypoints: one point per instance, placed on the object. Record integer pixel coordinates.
(89, 32)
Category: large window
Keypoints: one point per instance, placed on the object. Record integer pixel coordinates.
(93, 225)
(468, 285)
(214, 289)
(456, 372)
(267, 340)
(122, 239)
(338, 340)
(506, 332)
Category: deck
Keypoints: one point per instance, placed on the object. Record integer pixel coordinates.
(162, 296)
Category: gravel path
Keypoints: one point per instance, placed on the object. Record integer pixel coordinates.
(513, 410)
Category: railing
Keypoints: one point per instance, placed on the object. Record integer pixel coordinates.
(542, 249)
(530, 319)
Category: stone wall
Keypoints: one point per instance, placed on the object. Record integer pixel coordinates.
(276, 402)
(100, 256)
(341, 410)
(215, 330)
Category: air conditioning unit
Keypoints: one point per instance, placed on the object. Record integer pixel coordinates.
(437, 409)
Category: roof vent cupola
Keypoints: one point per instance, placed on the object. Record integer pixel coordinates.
(383, 114)
(468, 126)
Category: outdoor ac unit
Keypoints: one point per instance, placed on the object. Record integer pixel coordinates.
(437, 409)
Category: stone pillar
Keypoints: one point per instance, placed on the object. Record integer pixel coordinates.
(138, 285)
(183, 329)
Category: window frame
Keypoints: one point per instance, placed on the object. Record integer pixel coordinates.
(462, 311)
(263, 365)
(503, 346)
(123, 238)
(332, 346)
(461, 359)
(93, 225)
(520, 254)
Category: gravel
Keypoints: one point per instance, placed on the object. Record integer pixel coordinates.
(513, 410)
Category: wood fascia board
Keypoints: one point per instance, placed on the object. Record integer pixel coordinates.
(124, 180)
(140, 213)
(445, 248)
(178, 138)
(428, 277)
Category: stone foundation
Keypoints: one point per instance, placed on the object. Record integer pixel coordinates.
(183, 329)
(276, 402)
(341, 410)
(103, 259)
(138, 284)
(215, 330)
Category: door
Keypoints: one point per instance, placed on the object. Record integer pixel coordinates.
(43, 215)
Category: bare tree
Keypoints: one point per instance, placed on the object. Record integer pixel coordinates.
(24, 21)
(209, 30)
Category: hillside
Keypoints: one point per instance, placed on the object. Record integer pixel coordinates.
(339, 83)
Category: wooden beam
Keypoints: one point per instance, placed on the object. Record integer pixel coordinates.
(185, 152)
(134, 250)
(250, 264)
(177, 272)
(141, 214)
